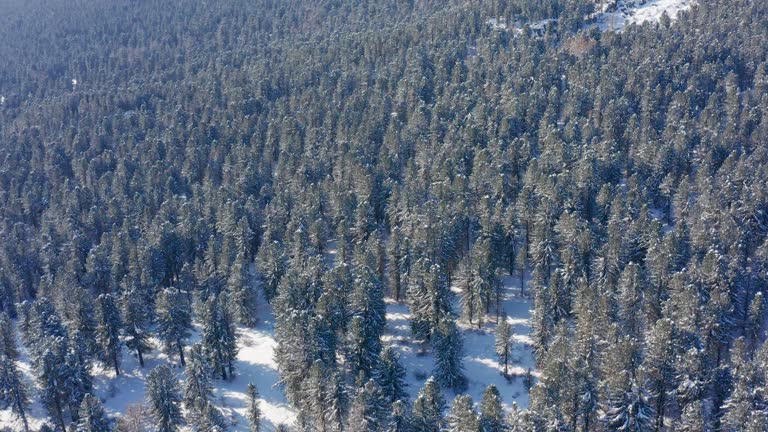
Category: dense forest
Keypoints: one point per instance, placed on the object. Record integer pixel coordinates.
(170, 169)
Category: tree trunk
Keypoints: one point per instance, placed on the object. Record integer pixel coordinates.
(181, 353)
(141, 357)
(117, 367)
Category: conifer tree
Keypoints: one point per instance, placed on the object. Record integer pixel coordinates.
(92, 417)
(242, 292)
(390, 376)
(253, 408)
(368, 410)
(503, 343)
(197, 389)
(449, 350)
(491, 412)
(399, 418)
(163, 398)
(7, 338)
(174, 321)
(13, 391)
(108, 331)
(428, 408)
(136, 320)
(219, 338)
(463, 417)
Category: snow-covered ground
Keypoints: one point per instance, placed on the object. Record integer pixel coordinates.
(639, 11)
(256, 364)
(480, 363)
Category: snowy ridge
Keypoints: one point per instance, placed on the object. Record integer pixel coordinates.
(628, 12)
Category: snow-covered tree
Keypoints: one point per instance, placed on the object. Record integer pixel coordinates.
(390, 375)
(427, 415)
(197, 388)
(108, 331)
(174, 321)
(242, 291)
(491, 411)
(463, 417)
(13, 390)
(92, 416)
(253, 412)
(503, 343)
(449, 350)
(219, 337)
(136, 320)
(163, 398)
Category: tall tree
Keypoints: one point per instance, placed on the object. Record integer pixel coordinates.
(174, 321)
(108, 331)
(163, 398)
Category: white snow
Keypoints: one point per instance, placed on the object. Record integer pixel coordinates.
(640, 11)
(480, 364)
(256, 364)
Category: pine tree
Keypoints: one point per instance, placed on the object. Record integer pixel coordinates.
(136, 320)
(692, 418)
(92, 416)
(503, 343)
(491, 411)
(449, 351)
(242, 291)
(253, 409)
(197, 386)
(390, 375)
(219, 337)
(108, 331)
(399, 419)
(208, 419)
(174, 321)
(368, 411)
(630, 411)
(13, 391)
(7, 338)
(361, 351)
(463, 417)
(163, 398)
(50, 375)
(428, 408)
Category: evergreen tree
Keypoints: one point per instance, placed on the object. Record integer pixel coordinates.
(503, 343)
(242, 291)
(463, 417)
(108, 331)
(174, 321)
(368, 410)
(13, 391)
(390, 376)
(136, 320)
(253, 409)
(491, 412)
(399, 419)
(208, 419)
(92, 416)
(630, 411)
(449, 350)
(428, 408)
(197, 390)
(219, 339)
(7, 338)
(163, 398)
(692, 418)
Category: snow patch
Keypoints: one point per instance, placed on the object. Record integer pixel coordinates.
(616, 16)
